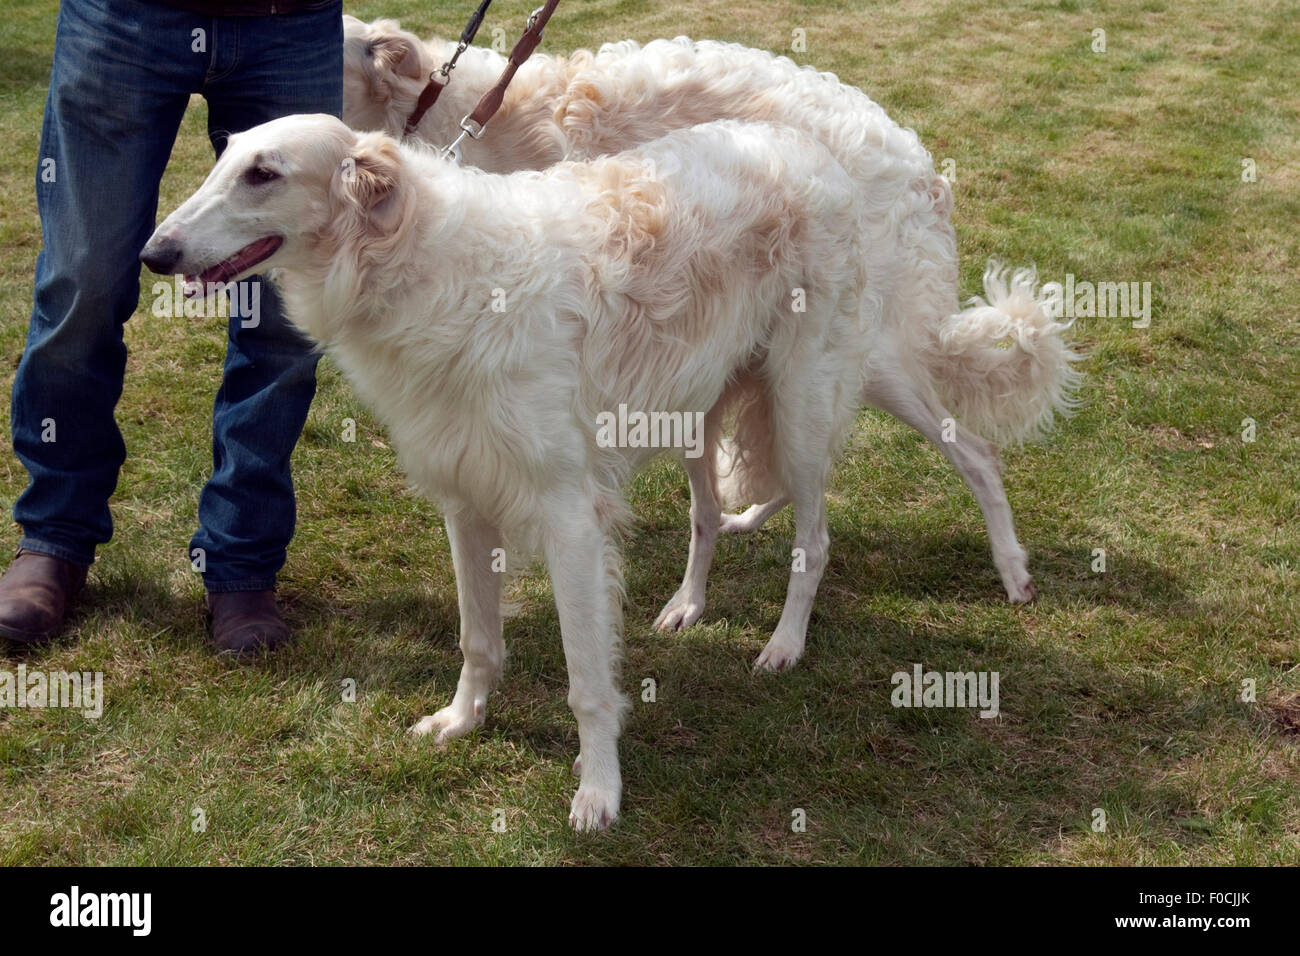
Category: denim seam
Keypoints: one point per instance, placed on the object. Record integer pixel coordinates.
(37, 546)
(208, 75)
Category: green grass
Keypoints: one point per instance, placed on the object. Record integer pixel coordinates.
(1119, 690)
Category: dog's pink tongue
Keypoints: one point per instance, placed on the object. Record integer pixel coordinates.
(245, 258)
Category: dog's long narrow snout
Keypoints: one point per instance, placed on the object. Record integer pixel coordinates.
(161, 254)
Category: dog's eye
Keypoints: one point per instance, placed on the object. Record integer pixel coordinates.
(260, 174)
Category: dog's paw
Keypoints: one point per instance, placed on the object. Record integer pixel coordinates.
(1022, 593)
(593, 809)
(451, 722)
(1014, 571)
(779, 654)
(742, 523)
(1020, 586)
(681, 612)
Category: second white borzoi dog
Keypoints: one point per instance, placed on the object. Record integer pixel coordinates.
(660, 280)
(623, 95)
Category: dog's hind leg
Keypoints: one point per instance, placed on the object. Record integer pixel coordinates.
(975, 459)
(583, 563)
(753, 517)
(804, 429)
(687, 604)
(811, 544)
(474, 544)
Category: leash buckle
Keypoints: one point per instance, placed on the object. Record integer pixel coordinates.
(469, 126)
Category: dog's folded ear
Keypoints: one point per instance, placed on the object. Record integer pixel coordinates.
(397, 53)
(368, 182)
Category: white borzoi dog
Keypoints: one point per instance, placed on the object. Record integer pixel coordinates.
(624, 95)
(492, 321)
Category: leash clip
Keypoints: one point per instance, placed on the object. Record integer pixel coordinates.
(468, 127)
(451, 64)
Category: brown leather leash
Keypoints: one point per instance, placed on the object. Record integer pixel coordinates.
(472, 125)
(433, 89)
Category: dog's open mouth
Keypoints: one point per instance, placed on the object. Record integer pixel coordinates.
(232, 265)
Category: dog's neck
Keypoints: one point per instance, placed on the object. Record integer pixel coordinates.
(463, 265)
(455, 315)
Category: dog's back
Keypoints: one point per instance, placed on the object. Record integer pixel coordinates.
(626, 93)
(723, 246)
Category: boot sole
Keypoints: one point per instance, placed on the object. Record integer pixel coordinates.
(25, 637)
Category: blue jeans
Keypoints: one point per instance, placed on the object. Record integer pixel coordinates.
(122, 76)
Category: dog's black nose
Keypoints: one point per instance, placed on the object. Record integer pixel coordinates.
(161, 256)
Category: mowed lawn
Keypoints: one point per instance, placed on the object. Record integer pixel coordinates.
(1120, 691)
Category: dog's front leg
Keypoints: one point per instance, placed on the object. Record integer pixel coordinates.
(475, 554)
(583, 563)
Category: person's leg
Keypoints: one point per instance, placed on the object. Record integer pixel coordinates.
(118, 88)
(264, 68)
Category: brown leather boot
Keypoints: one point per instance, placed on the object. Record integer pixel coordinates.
(244, 622)
(34, 596)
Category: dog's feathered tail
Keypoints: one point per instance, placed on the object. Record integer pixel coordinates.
(1003, 365)
(743, 460)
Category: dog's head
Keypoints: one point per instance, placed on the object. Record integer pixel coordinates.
(294, 193)
(384, 70)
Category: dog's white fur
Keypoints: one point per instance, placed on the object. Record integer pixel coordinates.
(661, 279)
(935, 357)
